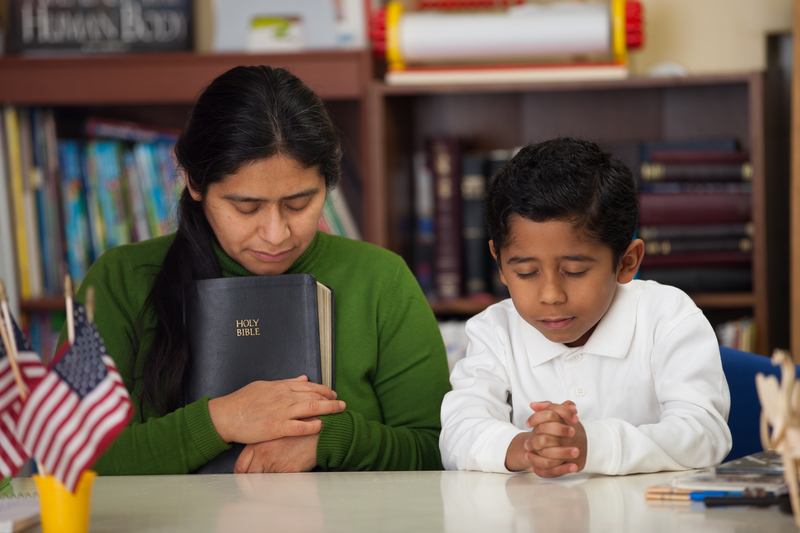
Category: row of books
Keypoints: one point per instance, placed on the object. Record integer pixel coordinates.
(738, 334)
(450, 255)
(696, 215)
(70, 200)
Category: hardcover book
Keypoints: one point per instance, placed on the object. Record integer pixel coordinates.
(445, 167)
(259, 328)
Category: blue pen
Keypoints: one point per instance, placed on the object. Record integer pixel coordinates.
(700, 496)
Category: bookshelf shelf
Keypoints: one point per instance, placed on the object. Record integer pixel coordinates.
(40, 305)
(169, 78)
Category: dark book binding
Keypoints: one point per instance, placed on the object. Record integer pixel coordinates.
(696, 259)
(247, 329)
(476, 247)
(695, 231)
(702, 278)
(448, 268)
(688, 208)
(495, 161)
(684, 246)
(697, 172)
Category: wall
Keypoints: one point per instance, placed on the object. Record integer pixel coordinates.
(710, 36)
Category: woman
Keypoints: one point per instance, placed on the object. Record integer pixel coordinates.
(259, 153)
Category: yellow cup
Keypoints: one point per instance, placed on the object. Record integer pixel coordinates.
(62, 511)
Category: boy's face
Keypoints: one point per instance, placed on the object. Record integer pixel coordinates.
(561, 282)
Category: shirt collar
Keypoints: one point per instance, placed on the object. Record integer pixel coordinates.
(611, 338)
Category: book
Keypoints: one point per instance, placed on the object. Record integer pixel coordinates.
(762, 470)
(721, 144)
(424, 227)
(699, 258)
(696, 187)
(495, 160)
(695, 231)
(245, 329)
(8, 267)
(767, 462)
(711, 244)
(445, 167)
(76, 220)
(31, 184)
(475, 245)
(698, 156)
(691, 208)
(41, 26)
(697, 171)
(129, 131)
(18, 513)
(702, 278)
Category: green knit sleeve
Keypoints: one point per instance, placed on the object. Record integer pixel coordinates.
(178, 442)
(410, 381)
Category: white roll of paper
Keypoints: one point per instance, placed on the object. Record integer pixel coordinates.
(522, 31)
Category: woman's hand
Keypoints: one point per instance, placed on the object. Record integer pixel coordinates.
(267, 410)
(289, 454)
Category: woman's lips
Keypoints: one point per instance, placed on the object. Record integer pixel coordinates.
(557, 323)
(270, 258)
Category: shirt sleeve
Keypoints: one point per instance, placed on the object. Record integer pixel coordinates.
(476, 415)
(693, 395)
(176, 443)
(409, 383)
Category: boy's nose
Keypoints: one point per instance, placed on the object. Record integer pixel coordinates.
(551, 291)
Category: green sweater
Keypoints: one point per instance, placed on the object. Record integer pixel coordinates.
(391, 367)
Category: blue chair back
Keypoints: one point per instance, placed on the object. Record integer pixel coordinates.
(740, 370)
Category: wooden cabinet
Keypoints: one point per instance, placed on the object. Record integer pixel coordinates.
(609, 112)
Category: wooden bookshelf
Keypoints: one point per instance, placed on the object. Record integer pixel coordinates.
(610, 112)
(384, 125)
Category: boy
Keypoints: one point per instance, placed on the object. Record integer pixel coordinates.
(584, 368)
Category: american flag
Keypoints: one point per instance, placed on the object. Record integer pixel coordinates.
(12, 453)
(79, 407)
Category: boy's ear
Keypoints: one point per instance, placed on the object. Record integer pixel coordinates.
(630, 261)
(497, 262)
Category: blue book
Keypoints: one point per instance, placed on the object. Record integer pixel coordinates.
(76, 222)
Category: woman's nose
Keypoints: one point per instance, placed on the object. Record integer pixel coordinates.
(273, 226)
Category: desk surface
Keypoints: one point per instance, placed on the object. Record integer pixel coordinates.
(404, 501)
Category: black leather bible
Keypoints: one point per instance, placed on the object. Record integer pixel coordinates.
(247, 329)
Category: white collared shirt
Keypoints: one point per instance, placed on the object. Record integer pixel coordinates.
(648, 384)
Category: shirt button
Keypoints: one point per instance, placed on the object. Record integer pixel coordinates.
(580, 391)
(578, 358)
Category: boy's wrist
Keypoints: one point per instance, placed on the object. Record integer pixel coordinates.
(515, 455)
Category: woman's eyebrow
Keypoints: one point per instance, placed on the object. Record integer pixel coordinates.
(233, 197)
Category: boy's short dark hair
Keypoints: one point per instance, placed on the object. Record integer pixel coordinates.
(565, 179)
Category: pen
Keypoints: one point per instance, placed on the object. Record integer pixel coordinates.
(692, 496)
(760, 501)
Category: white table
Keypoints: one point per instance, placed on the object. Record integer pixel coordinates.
(455, 502)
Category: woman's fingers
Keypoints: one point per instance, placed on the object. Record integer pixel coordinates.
(243, 462)
(301, 384)
(307, 409)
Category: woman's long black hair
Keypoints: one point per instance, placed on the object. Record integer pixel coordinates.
(245, 115)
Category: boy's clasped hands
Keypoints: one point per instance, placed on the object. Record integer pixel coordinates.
(556, 444)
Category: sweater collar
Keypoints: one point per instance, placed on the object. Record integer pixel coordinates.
(611, 338)
(231, 268)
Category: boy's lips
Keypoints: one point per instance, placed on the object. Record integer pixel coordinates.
(557, 323)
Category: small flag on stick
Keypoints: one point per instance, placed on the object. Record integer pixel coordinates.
(79, 407)
(20, 371)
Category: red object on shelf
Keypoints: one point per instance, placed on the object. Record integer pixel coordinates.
(634, 25)
(377, 32)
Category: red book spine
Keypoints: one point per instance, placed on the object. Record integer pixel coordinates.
(688, 208)
(445, 166)
(698, 156)
(697, 259)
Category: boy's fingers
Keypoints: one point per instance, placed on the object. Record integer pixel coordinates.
(555, 429)
(568, 413)
(559, 452)
(541, 417)
(545, 463)
(558, 471)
